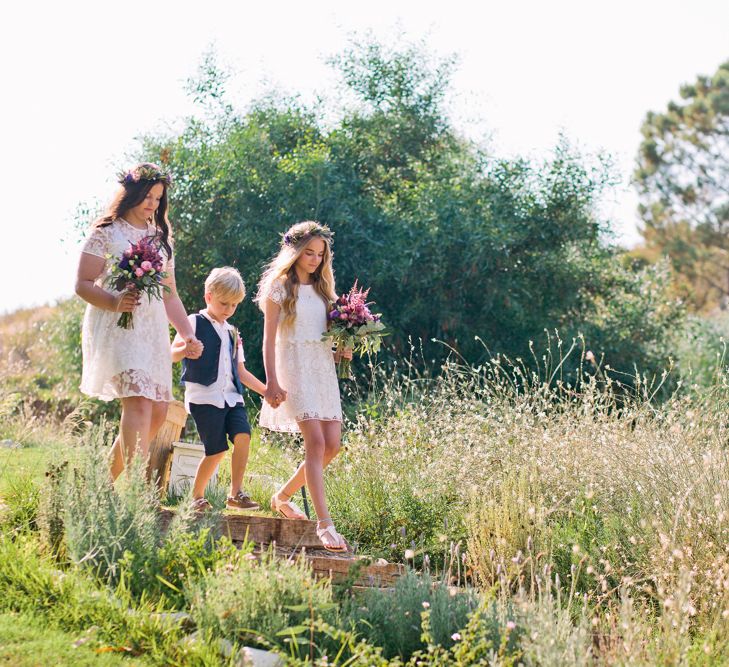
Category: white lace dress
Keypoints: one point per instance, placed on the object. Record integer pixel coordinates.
(117, 362)
(304, 366)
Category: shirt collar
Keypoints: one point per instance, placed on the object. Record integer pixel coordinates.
(206, 315)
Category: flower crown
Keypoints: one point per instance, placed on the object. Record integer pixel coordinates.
(307, 232)
(145, 172)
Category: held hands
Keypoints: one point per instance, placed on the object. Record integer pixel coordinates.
(193, 348)
(274, 395)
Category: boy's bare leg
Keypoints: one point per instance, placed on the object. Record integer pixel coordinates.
(205, 471)
(239, 462)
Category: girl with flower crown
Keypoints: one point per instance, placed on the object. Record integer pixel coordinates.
(302, 392)
(132, 364)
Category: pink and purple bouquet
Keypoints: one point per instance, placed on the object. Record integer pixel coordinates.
(352, 324)
(139, 270)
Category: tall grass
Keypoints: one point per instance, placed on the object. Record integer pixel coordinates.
(610, 489)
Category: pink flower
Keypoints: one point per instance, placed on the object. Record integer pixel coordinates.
(146, 265)
(138, 272)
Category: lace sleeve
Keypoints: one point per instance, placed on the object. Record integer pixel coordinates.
(170, 263)
(277, 293)
(97, 243)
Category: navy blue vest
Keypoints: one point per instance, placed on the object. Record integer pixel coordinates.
(205, 369)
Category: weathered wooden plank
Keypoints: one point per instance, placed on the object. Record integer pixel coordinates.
(290, 533)
(160, 449)
(373, 574)
(269, 530)
(367, 572)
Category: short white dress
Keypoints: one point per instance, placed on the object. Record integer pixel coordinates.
(304, 366)
(117, 362)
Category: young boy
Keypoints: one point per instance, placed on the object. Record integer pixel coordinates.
(214, 387)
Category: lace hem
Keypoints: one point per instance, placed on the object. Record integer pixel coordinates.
(127, 384)
(294, 428)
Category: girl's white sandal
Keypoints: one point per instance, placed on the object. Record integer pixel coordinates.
(331, 540)
(286, 509)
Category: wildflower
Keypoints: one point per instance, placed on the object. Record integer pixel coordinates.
(456, 636)
(510, 625)
(426, 605)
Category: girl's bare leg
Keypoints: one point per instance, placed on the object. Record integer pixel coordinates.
(312, 468)
(136, 408)
(332, 435)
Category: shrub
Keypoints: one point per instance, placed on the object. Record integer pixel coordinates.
(257, 602)
(108, 524)
(392, 619)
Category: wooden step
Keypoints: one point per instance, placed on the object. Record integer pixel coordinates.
(361, 571)
(293, 538)
(291, 533)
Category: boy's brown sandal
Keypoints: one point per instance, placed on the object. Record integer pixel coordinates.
(241, 501)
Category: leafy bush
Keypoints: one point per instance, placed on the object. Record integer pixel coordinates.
(259, 602)
(392, 619)
(107, 525)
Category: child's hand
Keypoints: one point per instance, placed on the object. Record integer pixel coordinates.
(193, 348)
(126, 302)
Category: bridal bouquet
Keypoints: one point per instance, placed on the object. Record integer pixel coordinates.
(140, 270)
(352, 324)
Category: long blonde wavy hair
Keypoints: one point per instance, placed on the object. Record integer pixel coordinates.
(282, 268)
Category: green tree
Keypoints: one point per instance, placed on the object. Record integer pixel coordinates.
(683, 181)
(453, 242)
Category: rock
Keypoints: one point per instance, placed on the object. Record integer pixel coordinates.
(10, 444)
(255, 657)
(247, 656)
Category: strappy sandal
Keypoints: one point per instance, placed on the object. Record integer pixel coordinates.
(286, 508)
(331, 540)
(200, 505)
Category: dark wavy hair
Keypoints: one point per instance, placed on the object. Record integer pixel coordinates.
(131, 194)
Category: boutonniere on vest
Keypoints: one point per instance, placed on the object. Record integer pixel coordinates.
(235, 339)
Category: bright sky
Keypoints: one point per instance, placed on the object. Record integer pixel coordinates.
(82, 79)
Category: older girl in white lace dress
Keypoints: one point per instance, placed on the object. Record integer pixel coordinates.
(133, 365)
(302, 391)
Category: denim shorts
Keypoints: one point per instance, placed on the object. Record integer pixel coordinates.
(216, 425)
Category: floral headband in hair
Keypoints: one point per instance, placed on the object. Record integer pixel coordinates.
(306, 232)
(145, 172)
